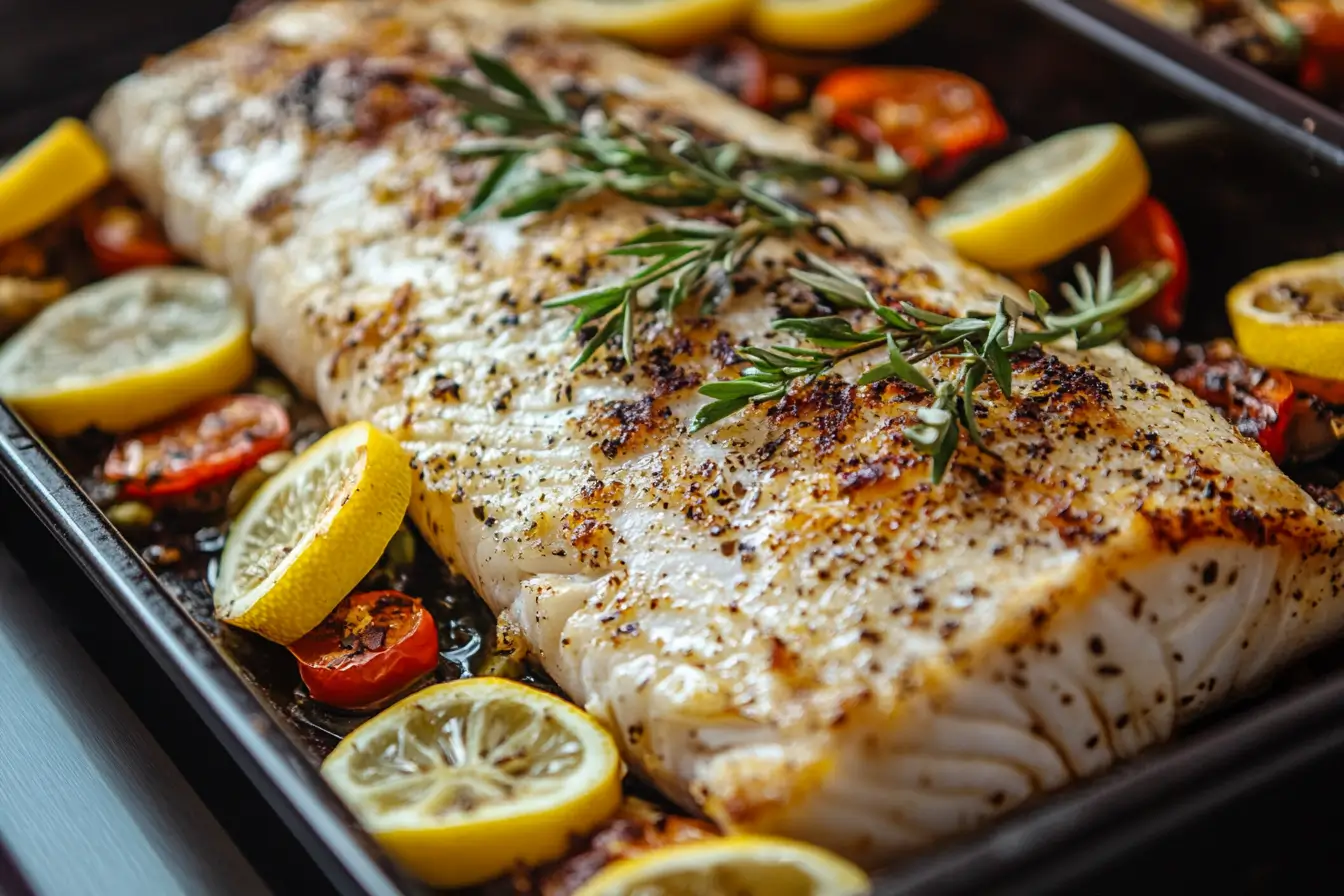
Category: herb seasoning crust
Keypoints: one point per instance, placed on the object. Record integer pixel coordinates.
(786, 625)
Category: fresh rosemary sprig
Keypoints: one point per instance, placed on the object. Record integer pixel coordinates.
(680, 259)
(981, 344)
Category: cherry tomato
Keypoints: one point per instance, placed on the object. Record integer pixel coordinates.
(925, 114)
(1258, 402)
(1329, 391)
(734, 65)
(122, 237)
(211, 442)
(1150, 234)
(371, 647)
(1321, 63)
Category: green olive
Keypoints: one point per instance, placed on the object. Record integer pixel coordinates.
(130, 515)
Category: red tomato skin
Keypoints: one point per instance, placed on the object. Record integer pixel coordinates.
(1329, 391)
(851, 96)
(1258, 402)
(1150, 234)
(132, 462)
(361, 677)
(122, 238)
(745, 59)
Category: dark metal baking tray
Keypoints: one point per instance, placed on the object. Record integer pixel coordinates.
(1242, 207)
(1283, 115)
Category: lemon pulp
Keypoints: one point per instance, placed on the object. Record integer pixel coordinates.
(467, 780)
(1046, 200)
(126, 351)
(312, 532)
(1291, 316)
(741, 865)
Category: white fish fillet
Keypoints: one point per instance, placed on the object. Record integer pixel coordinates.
(784, 624)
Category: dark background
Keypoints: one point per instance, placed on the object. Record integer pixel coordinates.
(56, 57)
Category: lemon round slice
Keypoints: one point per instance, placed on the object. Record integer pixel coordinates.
(1046, 200)
(834, 24)
(312, 532)
(48, 177)
(464, 781)
(127, 351)
(1291, 316)
(743, 866)
(654, 23)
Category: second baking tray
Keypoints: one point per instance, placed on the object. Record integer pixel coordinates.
(1283, 115)
(1241, 208)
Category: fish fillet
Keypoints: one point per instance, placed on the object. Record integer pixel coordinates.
(785, 625)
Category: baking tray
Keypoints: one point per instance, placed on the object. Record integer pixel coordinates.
(1282, 114)
(1045, 79)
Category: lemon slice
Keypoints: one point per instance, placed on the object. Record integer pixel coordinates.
(464, 781)
(834, 24)
(48, 177)
(1046, 200)
(312, 532)
(1291, 316)
(743, 866)
(654, 23)
(127, 351)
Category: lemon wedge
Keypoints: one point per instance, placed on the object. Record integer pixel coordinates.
(1046, 200)
(48, 177)
(127, 351)
(654, 23)
(743, 866)
(834, 24)
(312, 532)
(464, 781)
(1291, 316)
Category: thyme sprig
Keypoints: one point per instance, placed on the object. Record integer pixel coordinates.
(980, 345)
(684, 259)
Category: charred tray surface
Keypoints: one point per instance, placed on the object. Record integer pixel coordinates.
(1245, 209)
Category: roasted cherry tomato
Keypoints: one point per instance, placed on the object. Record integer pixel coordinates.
(211, 442)
(372, 646)
(734, 65)
(1321, 61)
(1329, 391)
(925, 114)
(1150, 234)
(122, 237)
(1258, 402)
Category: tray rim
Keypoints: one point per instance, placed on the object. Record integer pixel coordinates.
(1274, 111)
(1089, 823)
(1058, 839)
(240, 719)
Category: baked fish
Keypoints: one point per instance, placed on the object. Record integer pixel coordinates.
(787, 626)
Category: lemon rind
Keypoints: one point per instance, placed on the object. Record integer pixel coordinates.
(829, 25)
(838, 876)
(1049, 220)
(1297, 342)
(336, 554)
(471, 849)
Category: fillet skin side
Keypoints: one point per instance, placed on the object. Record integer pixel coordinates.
(784, 624)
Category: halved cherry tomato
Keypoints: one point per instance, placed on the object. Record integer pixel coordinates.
(1321, 63)
(210, 442)
(925, 114)
(122, 237)
(371, 647)
(1258, 402)
(734, 65)
(1329, 391)
(1150, 234)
